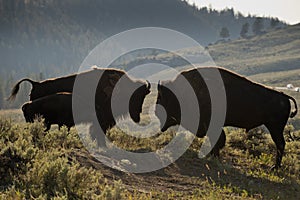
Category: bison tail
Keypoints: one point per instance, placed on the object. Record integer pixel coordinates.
(293, 114)
(16, 88)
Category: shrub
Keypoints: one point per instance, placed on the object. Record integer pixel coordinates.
(54, 175)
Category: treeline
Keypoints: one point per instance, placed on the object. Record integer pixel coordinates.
(257, 28)
(48, 35)
(36, 36)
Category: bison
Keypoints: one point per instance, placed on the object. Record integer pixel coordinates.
(106, 85)
(65, 83)
(249, 105)
(55, 109)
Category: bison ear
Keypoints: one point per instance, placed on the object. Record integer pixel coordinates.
(158, 85)
(159, 93)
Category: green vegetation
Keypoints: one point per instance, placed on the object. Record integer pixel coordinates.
(35, 164)
(224, 33)
(54, 165)
(258, 26)
(245, 30)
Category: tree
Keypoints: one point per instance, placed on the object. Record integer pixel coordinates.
(224, 33)
(274, 22)
(258, 26)
(1, 95)
(245, 30)
(41, 76)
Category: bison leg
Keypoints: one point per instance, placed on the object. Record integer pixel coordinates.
(277, 136)
(219, 145)
(98, 136)
(48, 126)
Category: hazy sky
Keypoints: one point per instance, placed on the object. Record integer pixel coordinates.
(286, 10)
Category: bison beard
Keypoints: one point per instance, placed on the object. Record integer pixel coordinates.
(249, 105)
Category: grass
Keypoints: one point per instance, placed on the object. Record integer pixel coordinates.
(55, 165)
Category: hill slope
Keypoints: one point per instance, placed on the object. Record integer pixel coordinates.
(53, 37)
(274, 51)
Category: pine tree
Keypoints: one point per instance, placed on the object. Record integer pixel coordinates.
(274, 22)
(258, 26)
(245, 30)
(1, 95)
(224, 33)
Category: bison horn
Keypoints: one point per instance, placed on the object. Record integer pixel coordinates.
(148, 85)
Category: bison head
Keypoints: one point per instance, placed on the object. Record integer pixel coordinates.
(167, 99)
(128, 97)
(136, 101)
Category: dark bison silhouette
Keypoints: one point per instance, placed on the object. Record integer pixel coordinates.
(249, 105)
(103, 97)
(54, 108)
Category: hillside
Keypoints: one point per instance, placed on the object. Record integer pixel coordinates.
(53, 37)
(271, 58)
(275, 51)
